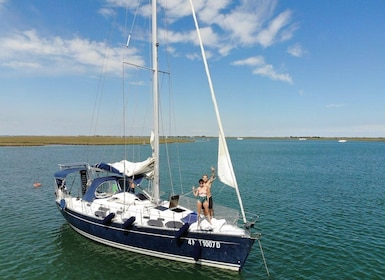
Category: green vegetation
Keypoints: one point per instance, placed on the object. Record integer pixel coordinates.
(82, 140)
(135, 140)
(314, 138)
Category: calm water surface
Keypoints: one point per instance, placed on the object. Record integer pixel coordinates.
(321, 207)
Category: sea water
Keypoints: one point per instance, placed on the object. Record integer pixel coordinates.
(320, 205)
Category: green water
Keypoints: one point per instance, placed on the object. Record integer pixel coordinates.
(321, 207)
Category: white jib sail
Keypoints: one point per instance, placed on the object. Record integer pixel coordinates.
(225, 167)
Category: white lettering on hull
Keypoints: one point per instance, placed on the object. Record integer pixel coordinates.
(205, 243)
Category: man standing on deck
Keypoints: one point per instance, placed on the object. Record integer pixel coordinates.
(207, 183)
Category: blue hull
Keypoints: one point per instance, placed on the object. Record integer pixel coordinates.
(205, 248)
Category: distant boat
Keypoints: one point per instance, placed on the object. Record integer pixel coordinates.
(342, 141)
(239, 138)
(302, 139)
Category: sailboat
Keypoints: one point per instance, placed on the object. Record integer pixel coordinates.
(111, 208)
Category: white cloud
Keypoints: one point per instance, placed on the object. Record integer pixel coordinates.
(107, 12)
(123, 3)
(251, 61)
(193, 56)
(21, 65)
(296, 50)
(269, 35)
(264, 69)
(267, 70)
(176, 9)
(241, 23)
(26, 51)
(226, 26)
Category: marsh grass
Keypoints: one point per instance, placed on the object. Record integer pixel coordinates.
(82, 140)
(135, 140)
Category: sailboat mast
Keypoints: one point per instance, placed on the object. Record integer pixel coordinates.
(156, 100)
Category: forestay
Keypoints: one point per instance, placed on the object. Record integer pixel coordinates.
(225, 166)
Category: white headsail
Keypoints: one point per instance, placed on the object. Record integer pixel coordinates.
(225, 166)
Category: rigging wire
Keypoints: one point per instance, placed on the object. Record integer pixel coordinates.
(171, 113)
(133, 91)
(100, 88)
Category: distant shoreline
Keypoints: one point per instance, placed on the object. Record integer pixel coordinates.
(82, 140)
(137, 140)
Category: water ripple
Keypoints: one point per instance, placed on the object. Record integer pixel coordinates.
(321, 209)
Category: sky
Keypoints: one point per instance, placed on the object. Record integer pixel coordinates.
(279, 68)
